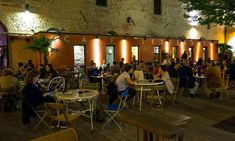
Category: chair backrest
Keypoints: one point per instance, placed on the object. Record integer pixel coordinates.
(175, 82)
(139, 75)
(53, 109)
(68, 134)
(57, 84)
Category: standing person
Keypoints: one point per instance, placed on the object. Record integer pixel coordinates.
(33, 95)
(51, 72)
(124, 82)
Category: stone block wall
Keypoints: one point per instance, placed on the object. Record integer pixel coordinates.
(83, 16)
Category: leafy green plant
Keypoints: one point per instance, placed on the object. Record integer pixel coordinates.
(225, 52)
(42, 45)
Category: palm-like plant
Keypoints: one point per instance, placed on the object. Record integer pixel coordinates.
(225, 52)
(41, 45)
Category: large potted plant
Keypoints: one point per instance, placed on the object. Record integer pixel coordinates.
(225, 52)
(41, 46)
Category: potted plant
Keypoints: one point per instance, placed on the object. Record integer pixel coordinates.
(41, 46)
(225, 52)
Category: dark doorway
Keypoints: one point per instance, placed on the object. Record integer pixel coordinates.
(3, 46)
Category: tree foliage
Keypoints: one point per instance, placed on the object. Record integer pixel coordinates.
(220, 12)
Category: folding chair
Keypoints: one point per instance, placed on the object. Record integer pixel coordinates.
(56, 112)
(113, 110)
(57, 84)
(155, 95)
(41, 114)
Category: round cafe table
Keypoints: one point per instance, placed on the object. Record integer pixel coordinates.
(78, 95)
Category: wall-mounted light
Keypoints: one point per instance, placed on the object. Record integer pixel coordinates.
(124, 38)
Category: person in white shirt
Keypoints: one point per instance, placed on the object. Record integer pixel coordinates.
(124, 81)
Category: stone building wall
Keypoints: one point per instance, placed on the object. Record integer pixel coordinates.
(83, 16)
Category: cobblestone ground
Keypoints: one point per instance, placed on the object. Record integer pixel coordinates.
(204, 113)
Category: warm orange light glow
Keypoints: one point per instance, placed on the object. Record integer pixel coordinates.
(181, 47)
(212, 51)
(167, 46)
(198, 51)
(124, 49)
(96, 53)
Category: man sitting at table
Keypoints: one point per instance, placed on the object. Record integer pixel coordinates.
(186, 78)
(124, 81)
(214, 80)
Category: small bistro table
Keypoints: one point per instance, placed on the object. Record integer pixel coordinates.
(78, 95)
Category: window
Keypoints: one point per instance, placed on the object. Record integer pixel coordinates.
(101, 3)
(135, 52)
(204, 54)
(190, 52)
(157, 7)
(156, 52)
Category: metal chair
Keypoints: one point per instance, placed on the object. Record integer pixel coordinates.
(57, 84)
(113, 110)
(41, 114)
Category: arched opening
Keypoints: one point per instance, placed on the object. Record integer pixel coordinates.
(3, 46)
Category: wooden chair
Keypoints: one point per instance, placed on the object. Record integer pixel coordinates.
(175, 82)
(155, 95)
(56, 112)
(7, 99)
(68, 134)
(226, 85)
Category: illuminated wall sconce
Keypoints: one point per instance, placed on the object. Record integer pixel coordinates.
(96, 37)
(124, 38)
(167, 45)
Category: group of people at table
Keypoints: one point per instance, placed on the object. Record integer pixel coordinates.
(183, 69)
(33, 93)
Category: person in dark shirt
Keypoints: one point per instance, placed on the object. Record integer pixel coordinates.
(33, 96)
(43, 72)
(174, 70)
(51, 72)
(184, 55)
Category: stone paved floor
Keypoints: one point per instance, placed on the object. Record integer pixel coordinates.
(204, 112)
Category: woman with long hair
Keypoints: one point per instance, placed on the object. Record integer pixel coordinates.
(33, 95)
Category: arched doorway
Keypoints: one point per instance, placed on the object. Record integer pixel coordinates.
(3, 46)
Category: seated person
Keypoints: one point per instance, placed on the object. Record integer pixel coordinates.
(186, 78)
(51, 72)
(174, 70)
(9, 85)
(164, 75)
(114, 68)
(8, 81)
(93, 75)
(33, 95)
(124, 81)
(213, 79)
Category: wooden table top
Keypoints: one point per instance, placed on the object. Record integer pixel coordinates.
(157, 121)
